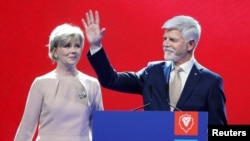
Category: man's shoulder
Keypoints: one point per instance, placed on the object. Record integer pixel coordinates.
(157, 63)
(206, 71)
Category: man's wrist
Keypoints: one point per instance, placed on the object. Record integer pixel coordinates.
(95, 46)
(94, 49)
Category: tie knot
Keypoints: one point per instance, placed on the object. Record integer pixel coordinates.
(177, 69)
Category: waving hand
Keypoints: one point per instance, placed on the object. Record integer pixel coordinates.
(92, 29)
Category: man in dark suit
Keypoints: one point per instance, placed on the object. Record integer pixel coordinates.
(200, 89)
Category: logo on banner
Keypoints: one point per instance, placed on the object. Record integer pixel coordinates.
(186, 123)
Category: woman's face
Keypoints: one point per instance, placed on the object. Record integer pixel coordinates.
(68, 53)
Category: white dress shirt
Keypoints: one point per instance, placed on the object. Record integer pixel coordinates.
(186, 67)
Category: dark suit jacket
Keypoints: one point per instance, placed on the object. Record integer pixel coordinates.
(203, 90)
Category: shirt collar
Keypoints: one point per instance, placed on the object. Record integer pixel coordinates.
(187, 66)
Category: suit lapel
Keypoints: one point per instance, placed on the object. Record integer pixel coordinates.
(164, 74)
(159, 80)
(167, 70)
(192, 80)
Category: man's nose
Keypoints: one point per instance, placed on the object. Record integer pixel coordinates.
(166, 42)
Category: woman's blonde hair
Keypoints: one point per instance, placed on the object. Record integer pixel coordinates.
(64, 32)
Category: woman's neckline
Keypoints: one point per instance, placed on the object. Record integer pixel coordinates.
(66, 74)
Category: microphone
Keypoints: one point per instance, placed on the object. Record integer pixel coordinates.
(169, 103)
(147, 104)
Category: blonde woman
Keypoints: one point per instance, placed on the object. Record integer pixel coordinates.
(62, 101)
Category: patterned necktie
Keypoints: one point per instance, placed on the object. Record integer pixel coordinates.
(175, 88)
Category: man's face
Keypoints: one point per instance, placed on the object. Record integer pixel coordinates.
(175, 48)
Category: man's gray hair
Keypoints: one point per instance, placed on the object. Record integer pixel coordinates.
(189, 27)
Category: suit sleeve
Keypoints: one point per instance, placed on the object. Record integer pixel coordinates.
(129, 82)
(216, 104)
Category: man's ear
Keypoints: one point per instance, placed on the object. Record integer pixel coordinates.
(191, 45)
